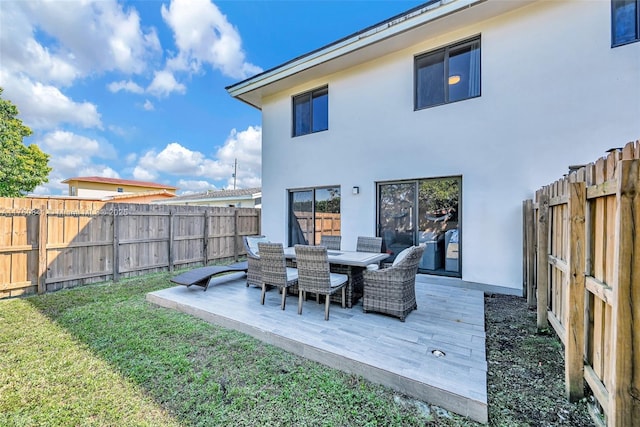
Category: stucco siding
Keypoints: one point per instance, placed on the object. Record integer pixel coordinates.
(554, 94)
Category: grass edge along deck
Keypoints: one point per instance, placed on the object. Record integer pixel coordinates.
(379, 348)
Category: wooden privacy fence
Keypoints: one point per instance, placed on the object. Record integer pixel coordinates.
(582, 270)
(54, 244)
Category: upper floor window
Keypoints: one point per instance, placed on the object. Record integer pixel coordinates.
(120, 190)
(448, 74)
(625, 21)
(311, 112)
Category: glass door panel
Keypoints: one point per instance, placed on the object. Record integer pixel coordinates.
(439, 227)
(300, 217)
(423, 211)
(327, 218)
(396, 216)
(312, 213)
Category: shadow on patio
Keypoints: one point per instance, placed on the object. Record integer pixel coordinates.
(437, 355)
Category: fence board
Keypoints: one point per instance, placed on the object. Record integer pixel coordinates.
(57, 244)
(594, 282)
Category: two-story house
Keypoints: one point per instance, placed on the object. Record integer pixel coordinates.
(434, 125)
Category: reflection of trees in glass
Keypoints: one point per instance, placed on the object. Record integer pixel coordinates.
(328, 200)
(439, 200)
(396, 203)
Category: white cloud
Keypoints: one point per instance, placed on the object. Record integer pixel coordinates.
(204, 35)
(164, 83)
(246, 146)
(148, 105)
(63, 141)
(125, 85)
(85, 37)
(74, 155)
(44, 107)
(143, 174)
(187, 186)
(131, 158)
(99, 170)
(175, 159)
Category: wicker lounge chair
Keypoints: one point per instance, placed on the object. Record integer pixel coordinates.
(202, 276)
(274, 270)
(393, 290)
(331, 242)
(314, 276)
(254, 277)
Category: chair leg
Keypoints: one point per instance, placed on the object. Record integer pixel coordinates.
(300, 293)
(284, 297)
(264, 290)
(326, 307)
(344, 297)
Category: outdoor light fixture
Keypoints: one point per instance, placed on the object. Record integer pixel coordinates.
(356, 190)
(454, 79)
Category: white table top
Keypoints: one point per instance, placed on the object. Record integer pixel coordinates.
(358, 259)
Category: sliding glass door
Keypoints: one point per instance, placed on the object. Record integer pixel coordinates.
(423, 211)
(312, 213)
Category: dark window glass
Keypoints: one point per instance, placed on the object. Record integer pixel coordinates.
(313, 213)
(320, 109)
(625, 21)
(448, 75)
(311, 112)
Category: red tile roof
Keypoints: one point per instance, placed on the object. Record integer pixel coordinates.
(118, 181)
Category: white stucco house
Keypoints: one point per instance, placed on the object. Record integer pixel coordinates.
(434, 126)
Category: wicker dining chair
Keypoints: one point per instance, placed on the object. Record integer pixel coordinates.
(393, 290)
(314, 276)
(331, 242)
(254, 278)
(369, 244)
(275, 271)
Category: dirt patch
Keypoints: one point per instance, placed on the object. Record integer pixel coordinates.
(525, 378)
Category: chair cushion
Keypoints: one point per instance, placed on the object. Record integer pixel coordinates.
(292, 274)
(371, 267)
(253, 243)
(402, 255)
(338, 279)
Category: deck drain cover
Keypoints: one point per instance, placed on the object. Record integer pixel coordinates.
(438, 353)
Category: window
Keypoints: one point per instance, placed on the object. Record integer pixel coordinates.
(625, 21)
(448, 75)
(311, 112)
(120, 190)
(312, 213)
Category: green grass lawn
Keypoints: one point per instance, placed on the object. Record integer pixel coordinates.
(101, 355)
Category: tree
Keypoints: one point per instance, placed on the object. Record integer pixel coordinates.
(22, 168)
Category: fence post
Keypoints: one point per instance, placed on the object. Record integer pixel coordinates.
(624, 396)
(574, 309)
(42, 250)
(235, 234)
(528, 258)
(171, 237)
(205, 237)
(116, 246)
(543, 258)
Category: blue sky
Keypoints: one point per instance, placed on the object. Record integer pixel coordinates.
(136, 89)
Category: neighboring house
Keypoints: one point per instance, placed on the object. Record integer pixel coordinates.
(241, 198)
(99, 187)
(141, 197)
(435, 125)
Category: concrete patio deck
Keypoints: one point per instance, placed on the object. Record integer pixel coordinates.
(379, 348)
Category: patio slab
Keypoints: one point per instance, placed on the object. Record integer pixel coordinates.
(378, 347)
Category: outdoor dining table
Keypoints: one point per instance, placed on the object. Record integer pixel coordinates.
(352, 264)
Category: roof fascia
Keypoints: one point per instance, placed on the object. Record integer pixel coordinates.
(399, 24)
